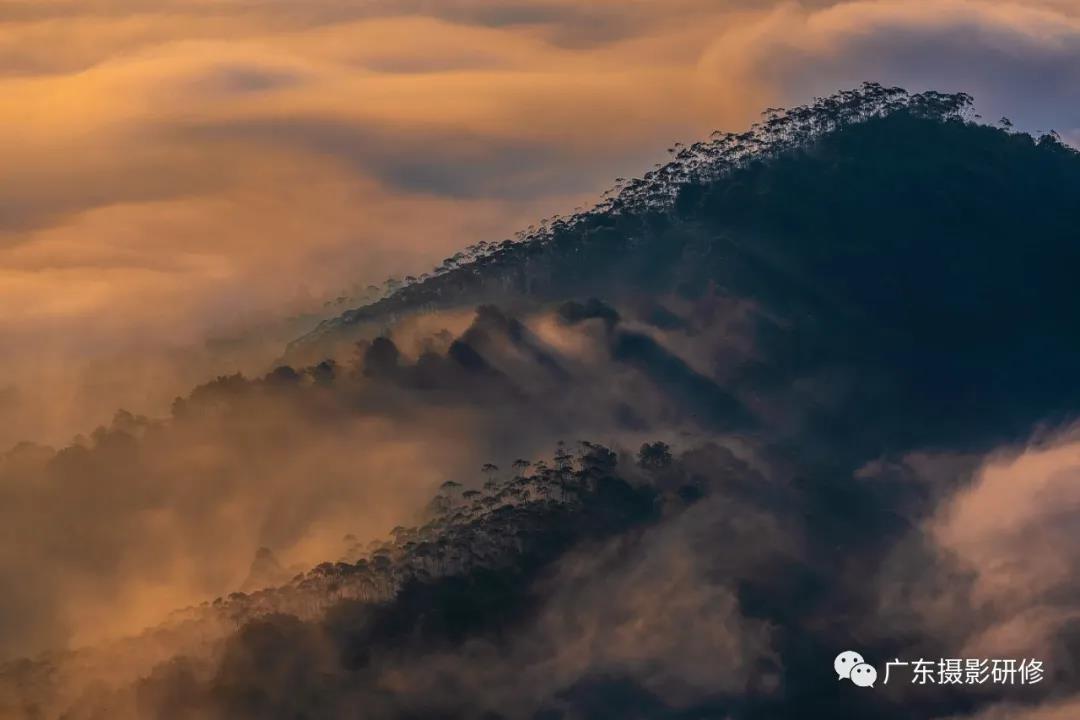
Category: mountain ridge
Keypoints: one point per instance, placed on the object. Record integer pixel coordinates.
(490, 272)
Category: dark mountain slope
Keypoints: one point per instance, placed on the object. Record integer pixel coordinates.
(881, 236)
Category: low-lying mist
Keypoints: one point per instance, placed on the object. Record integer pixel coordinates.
(695, 566)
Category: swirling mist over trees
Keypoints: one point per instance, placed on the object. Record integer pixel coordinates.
(869, 226)
(781, 396)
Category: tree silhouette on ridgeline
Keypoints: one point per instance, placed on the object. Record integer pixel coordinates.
(521, 521)
(637, 207)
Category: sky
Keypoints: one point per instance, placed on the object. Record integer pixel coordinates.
(179, 170)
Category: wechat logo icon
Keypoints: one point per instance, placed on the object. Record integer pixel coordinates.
(850, 665)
